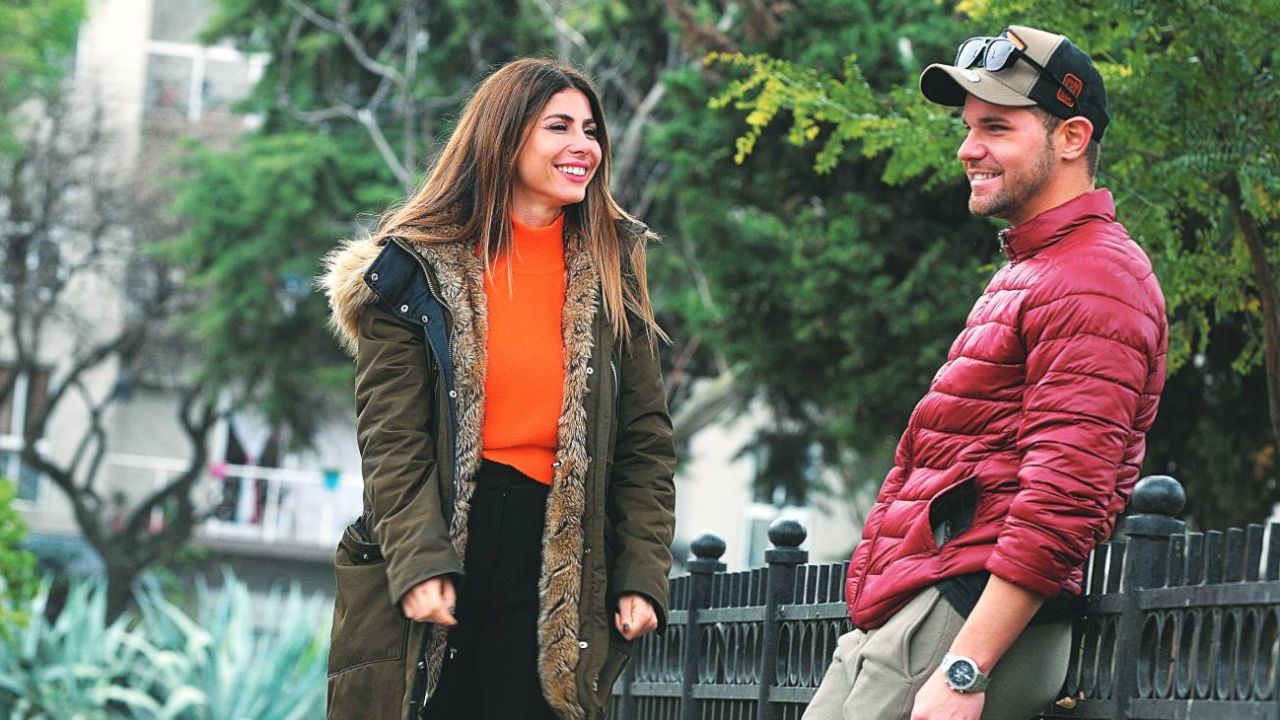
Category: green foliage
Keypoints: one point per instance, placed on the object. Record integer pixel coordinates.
(1192, 154)
(1174, 147)
(1211, 435)
(236, 659)
(18, 582)
(76, 665)
(39, 36)
(229, 668)
(836, 294)
(261, 215)
(901, 124)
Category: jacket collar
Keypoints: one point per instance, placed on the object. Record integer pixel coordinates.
(1023, 241)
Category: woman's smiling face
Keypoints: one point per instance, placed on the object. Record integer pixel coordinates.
(560, 156)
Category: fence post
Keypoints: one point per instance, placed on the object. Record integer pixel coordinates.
(780, 588)
(1157, 502)
(707, 550)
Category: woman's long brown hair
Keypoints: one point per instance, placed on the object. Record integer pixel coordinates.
(467, 193)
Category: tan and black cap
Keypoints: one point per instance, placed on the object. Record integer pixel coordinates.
(1034, 68)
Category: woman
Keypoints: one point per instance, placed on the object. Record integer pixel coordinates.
(514, 434)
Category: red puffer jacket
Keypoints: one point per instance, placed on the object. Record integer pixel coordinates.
(1042, 409)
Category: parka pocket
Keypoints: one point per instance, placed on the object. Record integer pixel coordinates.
(615, 661)
(367, 627)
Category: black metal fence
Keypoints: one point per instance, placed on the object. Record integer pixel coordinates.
(1179, 626)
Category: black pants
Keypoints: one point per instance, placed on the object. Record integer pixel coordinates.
(491, 670)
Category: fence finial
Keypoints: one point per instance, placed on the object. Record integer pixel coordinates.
(787, 533)
(1158, 495)
(708, 546)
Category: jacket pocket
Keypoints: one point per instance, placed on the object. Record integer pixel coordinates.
(951, 511)
(373, 691)
(615, 661)
(366, 627)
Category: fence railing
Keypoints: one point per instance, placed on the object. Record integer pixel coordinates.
(1179, 625)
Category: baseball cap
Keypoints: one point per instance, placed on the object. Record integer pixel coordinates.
(1033, 68)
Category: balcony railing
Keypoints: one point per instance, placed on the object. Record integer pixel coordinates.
(251, 504)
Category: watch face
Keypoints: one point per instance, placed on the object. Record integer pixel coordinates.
(961, 674)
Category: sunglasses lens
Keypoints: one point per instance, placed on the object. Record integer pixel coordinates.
(998, 54)
(967, 55)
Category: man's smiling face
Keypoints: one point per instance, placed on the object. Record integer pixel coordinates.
(1009, 159)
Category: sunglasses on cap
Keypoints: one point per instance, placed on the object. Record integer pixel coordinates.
(999, 53)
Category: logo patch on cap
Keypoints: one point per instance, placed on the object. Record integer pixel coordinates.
(971, 76)
(1075, 85)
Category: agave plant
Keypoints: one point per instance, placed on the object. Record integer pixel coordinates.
(248, 660)
(239, 659)
(76, 666)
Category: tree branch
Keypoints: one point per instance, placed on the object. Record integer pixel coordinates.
(629, 148)
(1265, 278)
(353, 43)
(370, 123)
(197, 429)
(128, 337)
(564, 31)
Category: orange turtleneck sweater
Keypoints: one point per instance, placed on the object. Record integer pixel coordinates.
(524, 383)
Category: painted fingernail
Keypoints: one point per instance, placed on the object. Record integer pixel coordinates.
(626, 627)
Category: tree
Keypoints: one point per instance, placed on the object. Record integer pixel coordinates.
(38, 38)
(1193, 163)
(68, 231)
(832, 297)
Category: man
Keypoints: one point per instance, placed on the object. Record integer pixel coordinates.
(1016, 462)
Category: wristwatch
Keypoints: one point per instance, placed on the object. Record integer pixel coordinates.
(962, 674)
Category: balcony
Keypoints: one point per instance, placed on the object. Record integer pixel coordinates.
(258, 511)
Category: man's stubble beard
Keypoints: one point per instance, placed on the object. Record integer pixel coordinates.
(1016, 192)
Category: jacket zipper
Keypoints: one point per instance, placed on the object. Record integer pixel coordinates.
(613, 368)
(1003, 235)
(420, 677)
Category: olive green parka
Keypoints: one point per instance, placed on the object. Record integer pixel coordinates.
(414, 316)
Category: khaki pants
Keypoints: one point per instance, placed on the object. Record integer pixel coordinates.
(875, 675)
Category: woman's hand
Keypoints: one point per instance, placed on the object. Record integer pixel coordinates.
(431, 601)
(635, 616)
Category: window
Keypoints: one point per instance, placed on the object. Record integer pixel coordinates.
(196, 82)
(32, 264)
(225, 82)
(23, 399)
(179, 20)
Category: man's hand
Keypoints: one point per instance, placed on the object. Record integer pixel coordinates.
(635, 616)
(431, 601)
(937, 701)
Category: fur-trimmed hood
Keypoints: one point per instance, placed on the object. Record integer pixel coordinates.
(345, 288)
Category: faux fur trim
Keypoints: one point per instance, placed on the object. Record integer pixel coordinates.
(560, 587)
(344, 286)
